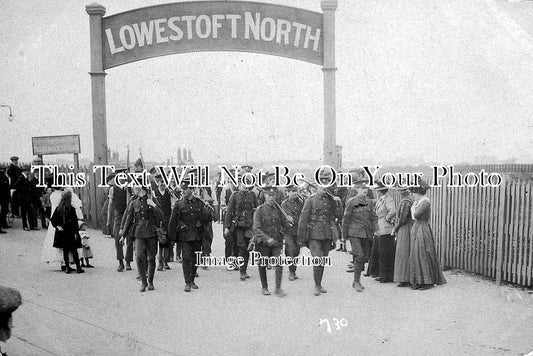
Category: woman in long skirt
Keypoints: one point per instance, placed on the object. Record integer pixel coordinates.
(424, 268)
(402, 231)
(50, 254)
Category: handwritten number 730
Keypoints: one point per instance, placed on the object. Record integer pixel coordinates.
(337, 323)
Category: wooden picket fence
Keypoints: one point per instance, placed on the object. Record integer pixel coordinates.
(485, 230)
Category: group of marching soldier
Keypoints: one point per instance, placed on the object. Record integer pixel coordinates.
(260, 218)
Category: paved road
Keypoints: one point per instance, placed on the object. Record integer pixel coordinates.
(101, 312)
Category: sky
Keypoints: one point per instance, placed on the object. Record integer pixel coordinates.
(417, 81)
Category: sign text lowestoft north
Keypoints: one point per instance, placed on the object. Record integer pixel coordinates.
(212, 26)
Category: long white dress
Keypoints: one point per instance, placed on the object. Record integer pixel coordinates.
(51, 254)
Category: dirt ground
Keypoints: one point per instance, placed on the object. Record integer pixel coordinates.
(101, 312)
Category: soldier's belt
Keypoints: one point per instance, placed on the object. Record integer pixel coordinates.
(321, 219)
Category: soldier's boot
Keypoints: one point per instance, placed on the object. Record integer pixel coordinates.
(357, 279)
(292, 273)
(317, 279)
(279, 276)
(128, 266)
(264, 282)
(120, 266)
(144, 283)
(151, 271)
(320, 274)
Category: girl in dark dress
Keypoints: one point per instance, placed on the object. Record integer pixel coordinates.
(65, 221)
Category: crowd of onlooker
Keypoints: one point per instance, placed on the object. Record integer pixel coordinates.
(21, 197)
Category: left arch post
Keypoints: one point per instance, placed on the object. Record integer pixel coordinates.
(96, 12)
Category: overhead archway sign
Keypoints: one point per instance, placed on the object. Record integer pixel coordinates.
(212, 26)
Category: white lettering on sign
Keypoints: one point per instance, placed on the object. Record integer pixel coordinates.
(176, 28)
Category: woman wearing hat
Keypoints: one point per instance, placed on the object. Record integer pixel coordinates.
(402, 231)
(424, 268)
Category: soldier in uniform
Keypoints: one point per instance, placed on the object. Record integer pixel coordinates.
(358, 225)
(117, 205)
(231, 248)
(187, 226)
(268, 223)
(162, 198)
(144, 216)
(293, 205)
(239, 218)
(315, 228)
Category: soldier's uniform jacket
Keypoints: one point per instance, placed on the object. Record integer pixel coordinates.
(241, 206)
(293, 207)
(187, 220)
(359, 218)
(269, 221)
(143, 218)
(318, 218)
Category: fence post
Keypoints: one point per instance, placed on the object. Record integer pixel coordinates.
(501, 230)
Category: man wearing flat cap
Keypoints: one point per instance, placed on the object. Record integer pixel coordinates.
(13, 172)
(187, 226)
(385, 248)
(358, 226)
(10, 300)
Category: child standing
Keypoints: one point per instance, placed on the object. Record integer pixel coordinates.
(85, 251)
(47, 205)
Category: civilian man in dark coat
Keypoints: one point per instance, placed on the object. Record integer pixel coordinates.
(14, 171)
(5, 198)
(23, 188)
(37, 208)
